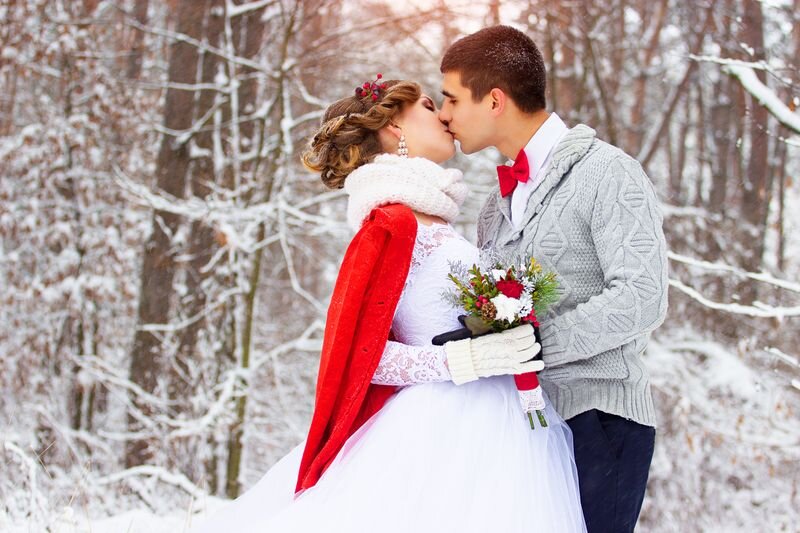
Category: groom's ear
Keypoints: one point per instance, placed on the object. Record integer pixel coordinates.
(497, 100)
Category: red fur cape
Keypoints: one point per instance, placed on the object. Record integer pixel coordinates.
(371, 279)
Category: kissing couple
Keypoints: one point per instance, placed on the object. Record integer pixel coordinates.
(411, 436)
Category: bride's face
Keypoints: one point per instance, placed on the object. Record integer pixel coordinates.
(425, 135)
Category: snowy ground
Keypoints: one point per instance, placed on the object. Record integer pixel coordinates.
(136, 520)
(726, 457)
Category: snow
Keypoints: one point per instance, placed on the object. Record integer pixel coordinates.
(765, 277)
(786, 358)
(728, 445)
(723, 371)
(704, 386)
(235, 10)
(765, 96)
(758, 309)
(726, 428)
(139, 520)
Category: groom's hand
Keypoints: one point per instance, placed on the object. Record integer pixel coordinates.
(497, 354)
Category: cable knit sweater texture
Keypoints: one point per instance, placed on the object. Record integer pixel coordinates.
(594, 219)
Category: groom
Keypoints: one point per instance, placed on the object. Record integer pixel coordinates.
(586, 210)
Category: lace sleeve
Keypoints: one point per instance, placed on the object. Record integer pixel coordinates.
(402, 364)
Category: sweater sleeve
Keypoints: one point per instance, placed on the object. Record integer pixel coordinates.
(403, 364)
(626, 227)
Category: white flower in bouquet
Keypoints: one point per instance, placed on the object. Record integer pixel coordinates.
(517, 296)
(507, 308)
(498, 274)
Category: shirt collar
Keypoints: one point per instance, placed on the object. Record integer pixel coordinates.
(543, 141)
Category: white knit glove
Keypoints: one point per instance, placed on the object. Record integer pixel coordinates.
(496, 354)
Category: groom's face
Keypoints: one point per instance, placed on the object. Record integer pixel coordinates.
(470, 122)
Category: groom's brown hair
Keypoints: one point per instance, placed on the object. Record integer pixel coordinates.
(502, 57)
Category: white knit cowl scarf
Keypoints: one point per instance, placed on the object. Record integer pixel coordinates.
(416, 182)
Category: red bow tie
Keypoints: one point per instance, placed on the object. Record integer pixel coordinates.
(509, 176)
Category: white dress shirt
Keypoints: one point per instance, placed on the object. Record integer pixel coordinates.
(538, 150)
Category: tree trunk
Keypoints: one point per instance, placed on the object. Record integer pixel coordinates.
(782, 178)
(606, 98)
(494, 13)
(201, 236)
(235, 447)
(7, 101)
(754, 191)
(251, 33)
(566, 81)
(702, 159)
(636, 130)
(651, 145)
(721, 131)
(617, 15)
(136, 48)
(158, 267)
(253, 28)
(676, 193)
(549, 53)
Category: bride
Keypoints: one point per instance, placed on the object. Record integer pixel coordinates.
(405, 435)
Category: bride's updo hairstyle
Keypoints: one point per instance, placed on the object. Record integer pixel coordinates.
(348, 136)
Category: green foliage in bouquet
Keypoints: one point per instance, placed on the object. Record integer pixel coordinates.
(504, 297)
(545, 288)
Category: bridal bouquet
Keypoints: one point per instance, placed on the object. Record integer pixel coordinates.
(504, 297)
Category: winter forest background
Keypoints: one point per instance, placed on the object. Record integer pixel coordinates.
(165, 261)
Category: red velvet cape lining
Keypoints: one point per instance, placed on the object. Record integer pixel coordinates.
(367, 290)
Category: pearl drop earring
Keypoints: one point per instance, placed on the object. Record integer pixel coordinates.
(402, 148)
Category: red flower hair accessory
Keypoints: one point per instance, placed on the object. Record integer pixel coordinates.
(371, 89)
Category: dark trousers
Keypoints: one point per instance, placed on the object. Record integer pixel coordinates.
(613, 457)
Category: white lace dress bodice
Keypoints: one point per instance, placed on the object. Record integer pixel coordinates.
(422, 313)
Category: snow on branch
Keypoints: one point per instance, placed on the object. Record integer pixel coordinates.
(293, 278)
(233, 10)
(223, 298)
(163, 475)
(308, 97)
(328, 196)
(786, 358)
(744, 71)
(161, 85)
(670, 210)
(202, 46)
(759, 65)
(89, 439)
(756, 310)
(237, 223)
(237, 379)
(720, 267)
(302, 215)
(106, 373)
(183, 136)
(31, 466)
(765, 96)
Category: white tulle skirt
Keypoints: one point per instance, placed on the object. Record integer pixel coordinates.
(437, 458)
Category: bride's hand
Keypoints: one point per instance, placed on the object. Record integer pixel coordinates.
(497, 354)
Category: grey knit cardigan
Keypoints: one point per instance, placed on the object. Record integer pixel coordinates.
(594, 219)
